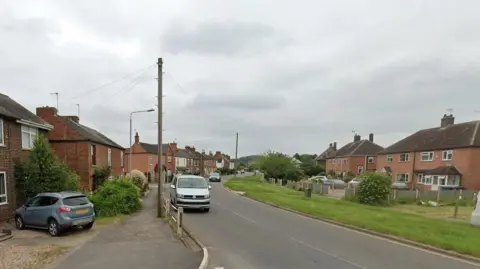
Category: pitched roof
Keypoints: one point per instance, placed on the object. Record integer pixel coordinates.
(358, 148)
(182, 153)
(453, 136)
(329, 152)
(11, 109)
(153, 148)
(441, 170)
(91, 134)
(208, 157)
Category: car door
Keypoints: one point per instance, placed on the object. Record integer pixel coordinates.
(44, 210)
(31, 209)
(173, 191)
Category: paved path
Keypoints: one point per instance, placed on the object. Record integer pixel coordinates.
(241, 233)
(141, 241)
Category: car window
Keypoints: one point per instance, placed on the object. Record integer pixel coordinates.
(47, 201)
(192, 182)
(34, 201)
(76, 200)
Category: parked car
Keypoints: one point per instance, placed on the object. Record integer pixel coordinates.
(354, 183)
(214, 177)
(336, 183)
(318, 179)
(56, 212)
(475, 220)
(190, 191)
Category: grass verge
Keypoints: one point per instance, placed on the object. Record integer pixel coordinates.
(456, 236)
(108, 220)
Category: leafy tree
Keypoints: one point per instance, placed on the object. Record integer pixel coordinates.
(297, 156)
(278, 165)
(100, 175)
(331, 173)
(374, 188)
(312, 169)
(44, 172)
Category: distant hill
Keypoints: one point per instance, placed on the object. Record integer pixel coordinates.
(248, 159)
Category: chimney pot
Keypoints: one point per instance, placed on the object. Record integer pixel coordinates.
(370, 137)
(137, 138)
(335, 145)
(447, 120)
(356, 138)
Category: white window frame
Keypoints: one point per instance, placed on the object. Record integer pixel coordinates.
(121, 158)
(447, 155)
(360, 169)
(169, 159)
(5, 195)
(430, 155)
(2, 133)
(421, 179)
(389, 158)
(32, 135)
(403, 174)
(407, 157)
(371, 159)
(109, 157)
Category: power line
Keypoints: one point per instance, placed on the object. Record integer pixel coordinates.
(176, 83)
(112, 82)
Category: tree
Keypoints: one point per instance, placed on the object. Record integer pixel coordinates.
(374, 188)
(100, 175)
(44, 172)
(279, 166)
(312, 169)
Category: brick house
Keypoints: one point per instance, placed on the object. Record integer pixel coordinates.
(181, 158)
(355, 157)
(223, 160)
(145, 157)
(82, 148)
(193, 162)
(445, 156)
(321, 159)
(18, 129)
(209, 163)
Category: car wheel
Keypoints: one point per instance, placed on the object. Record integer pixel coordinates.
(88, 226)
(53, 228)
(19, 223)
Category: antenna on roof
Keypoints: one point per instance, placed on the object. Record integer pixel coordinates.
(56, 93)
(450, 111)
(353, 131)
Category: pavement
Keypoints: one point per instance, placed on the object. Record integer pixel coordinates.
(241, 233)
(141, 241)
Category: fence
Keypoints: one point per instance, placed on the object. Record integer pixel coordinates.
(174, 219)
(316, 187)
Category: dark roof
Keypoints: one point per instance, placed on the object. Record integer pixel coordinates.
(92, 134)
(328, 153)
(441, 170)
(358, 148)
(450, 137)
(10, 108)
(208, 157)
(182, 153)
(153, 148)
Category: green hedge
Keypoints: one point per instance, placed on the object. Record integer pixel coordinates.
(116, 197)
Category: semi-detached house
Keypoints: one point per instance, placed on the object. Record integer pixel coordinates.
(82, 148)
(446, 156)
(18, 130)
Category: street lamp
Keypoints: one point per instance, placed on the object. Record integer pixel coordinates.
(130, 141)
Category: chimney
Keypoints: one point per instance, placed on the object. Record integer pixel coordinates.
(187, 148)
(331, 145)
(334, 145)
(174, 146)
(210, 153)
(72, 118)
(356, 138)
(370, 137)
(447, 120)
(203, 152)
(193, 150)
(137, 138)
(46, 112)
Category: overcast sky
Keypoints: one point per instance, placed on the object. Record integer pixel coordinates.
(292, 76)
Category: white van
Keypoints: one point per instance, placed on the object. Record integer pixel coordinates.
(476, 211)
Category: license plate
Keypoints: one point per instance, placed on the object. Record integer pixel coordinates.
(81, 211)
(81, 222)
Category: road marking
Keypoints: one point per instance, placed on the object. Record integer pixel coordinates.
(245, 218)
(328, 253)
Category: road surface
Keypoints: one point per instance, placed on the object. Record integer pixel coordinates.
(241, 233)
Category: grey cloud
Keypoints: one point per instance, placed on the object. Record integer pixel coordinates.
(221, 38)
(238, 102)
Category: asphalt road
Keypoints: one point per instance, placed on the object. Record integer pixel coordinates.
(241, 233)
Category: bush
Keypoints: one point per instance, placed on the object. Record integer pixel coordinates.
(116, 197)
(139, 179)
(100, 175)
(374, 189)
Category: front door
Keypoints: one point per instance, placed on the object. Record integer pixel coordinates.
(435, 183)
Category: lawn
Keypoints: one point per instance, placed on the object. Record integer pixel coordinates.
(451, 235)
(441, 212)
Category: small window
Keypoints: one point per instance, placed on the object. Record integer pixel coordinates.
(109, 157)
(76, 200)
(93, 154)
(447, 155)
(426, 156)
(169, 159)
(402, 177)
(389, 158)
(3, 188)
(29, 135)
(404, 157)
(2, 135)
(360, 169)
(371, 160)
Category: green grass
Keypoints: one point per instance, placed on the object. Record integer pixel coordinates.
(108, 220)
(450, 235)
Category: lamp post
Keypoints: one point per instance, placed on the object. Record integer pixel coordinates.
(130, 140)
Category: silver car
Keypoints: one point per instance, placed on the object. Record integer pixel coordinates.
(189, 191)
(56, 212)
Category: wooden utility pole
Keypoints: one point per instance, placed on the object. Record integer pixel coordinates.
(236, 148)
(160, 211)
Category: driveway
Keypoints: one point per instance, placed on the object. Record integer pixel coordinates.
(141, 241)
(241, 233)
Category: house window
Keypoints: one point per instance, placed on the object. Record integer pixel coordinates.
(402, 177)
(169, 159)
(177, 162)
(93, 154)
(109, 157)
(447, 155)
(389, 158)
(150, 160)
(360, 169)
(420, 179)
(121, 158)
(371, 159)
(3, 188)
(29, 135)
(426, 156)
(2, 135)
(404, 157)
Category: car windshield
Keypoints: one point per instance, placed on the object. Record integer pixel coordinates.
(192, 182)
(214, 174)
(76, 200)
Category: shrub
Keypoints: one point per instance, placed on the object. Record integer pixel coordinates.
(374, 189)
(100, 175)
(116, 197)
(139, 179)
